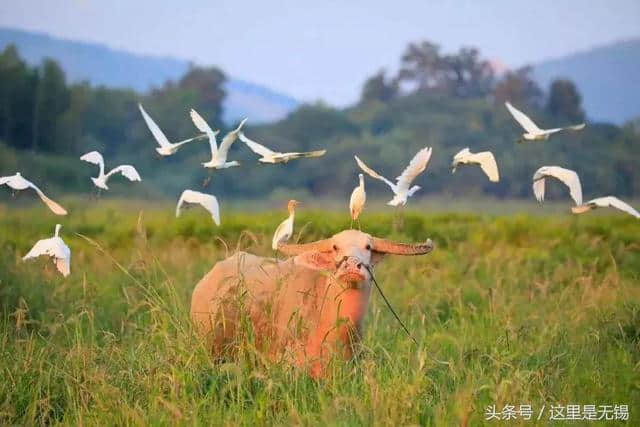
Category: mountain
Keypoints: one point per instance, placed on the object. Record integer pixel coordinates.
(102, 65)
(607, 77)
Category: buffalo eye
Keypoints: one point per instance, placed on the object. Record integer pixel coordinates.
(335, 248)
(368, 247)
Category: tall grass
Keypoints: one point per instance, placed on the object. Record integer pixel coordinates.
(506, 310)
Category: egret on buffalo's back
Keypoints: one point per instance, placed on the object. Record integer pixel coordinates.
(285, 229)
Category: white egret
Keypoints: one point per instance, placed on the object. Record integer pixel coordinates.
(100, 181)
(567, 176)
(532, 131)
(17, 182)
(357, 200)
(269, 156)
(603, 202)
(207, 201)
(218, 154)
(53, 247)
(285, 229)
(401, 189)
(165, 148)
(485, 159)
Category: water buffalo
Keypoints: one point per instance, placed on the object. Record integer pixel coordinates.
(303, 309)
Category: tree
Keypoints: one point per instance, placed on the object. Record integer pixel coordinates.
(565, 101)
(467, 74)
(422, 65)
(519, 88)
(464, 74)
(16, 98)
(378, 88)
(52, 100)
(207, 83)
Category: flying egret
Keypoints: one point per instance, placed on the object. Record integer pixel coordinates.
(207, 201)
(532, 131)
(166, 148)
(100, 181)
(17, 182)
(357, 200)
(401, 188)
(218, 154)
(269, 156)
(567, 176)
(285, 229)
(485, 159)
(603, 202)
(53, 247)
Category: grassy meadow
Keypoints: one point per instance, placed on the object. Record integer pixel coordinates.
(508, 309)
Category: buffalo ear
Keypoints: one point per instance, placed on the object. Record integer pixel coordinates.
(316, 260)
(376, 257)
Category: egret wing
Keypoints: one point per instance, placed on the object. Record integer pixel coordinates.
(181, 201)
(93, 157)
(53, 246)
(415, 168)
(203, 126)
(373, 174)
(523, 119)
(157, 133)
(54, 206)
(566, 176)
(127, 171)
(577, 127)
(229, 139)
(538, 188)
(615, 203)
(307, 154)
(460, 156)
(282, 234)
(488, 164)
(255, 147)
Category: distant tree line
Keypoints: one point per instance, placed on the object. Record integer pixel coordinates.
(40, 111)
(446, 101)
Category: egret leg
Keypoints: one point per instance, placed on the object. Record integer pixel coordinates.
(398, 219)
(207, 180)
(359, 227)
(351, 225)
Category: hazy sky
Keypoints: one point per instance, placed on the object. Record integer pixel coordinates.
(325, 49)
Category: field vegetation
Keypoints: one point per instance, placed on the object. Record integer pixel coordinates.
(519, 309)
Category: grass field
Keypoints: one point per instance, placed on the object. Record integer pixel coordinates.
(518, 309)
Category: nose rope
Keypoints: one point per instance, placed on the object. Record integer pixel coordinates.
(389, 304)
